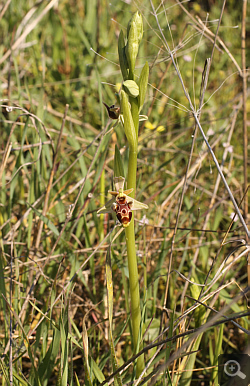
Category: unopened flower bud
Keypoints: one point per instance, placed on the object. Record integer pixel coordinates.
(132, 46)
(137, 19)
(113, 111)
(131, 88)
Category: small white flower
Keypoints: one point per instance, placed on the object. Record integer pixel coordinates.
(144, 220)
(210, 132)
(187, 58)
(236, 218)
(229, 147)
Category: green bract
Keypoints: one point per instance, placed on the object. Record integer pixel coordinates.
(129, 127)
(143, 84)
(122, 56)
(131, 88)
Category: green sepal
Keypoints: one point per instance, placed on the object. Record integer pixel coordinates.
(118, 164)
(129, 127)
(122, 56)
(131, 88)
(143, 84)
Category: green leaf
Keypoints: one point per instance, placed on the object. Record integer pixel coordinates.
(143, 84)
(64, 353)
(20, 380)
(186, 377)
(49, 361)
(200, 311)
(97, 371)
(131, 88)
(217, 350)
(118, 164)
(88, 380)
(218, 218)
(77, 380)
(152, 326)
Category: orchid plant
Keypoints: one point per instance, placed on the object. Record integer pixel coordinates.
(123, 203)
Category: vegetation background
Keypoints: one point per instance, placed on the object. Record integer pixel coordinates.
(59, 62)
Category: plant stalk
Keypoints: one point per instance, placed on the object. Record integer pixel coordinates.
(132, 99)
(133, 269)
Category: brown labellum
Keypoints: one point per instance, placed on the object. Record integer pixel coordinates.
(123, 210)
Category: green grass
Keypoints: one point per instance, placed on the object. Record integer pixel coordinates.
(58, 326)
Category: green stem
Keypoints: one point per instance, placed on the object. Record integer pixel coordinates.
(132, 266)
(102, 203)
(132, 167)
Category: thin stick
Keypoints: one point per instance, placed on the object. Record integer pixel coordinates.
(11, 319)
(5, 158)
(4, 9)
(244, 101)
(244, 94)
